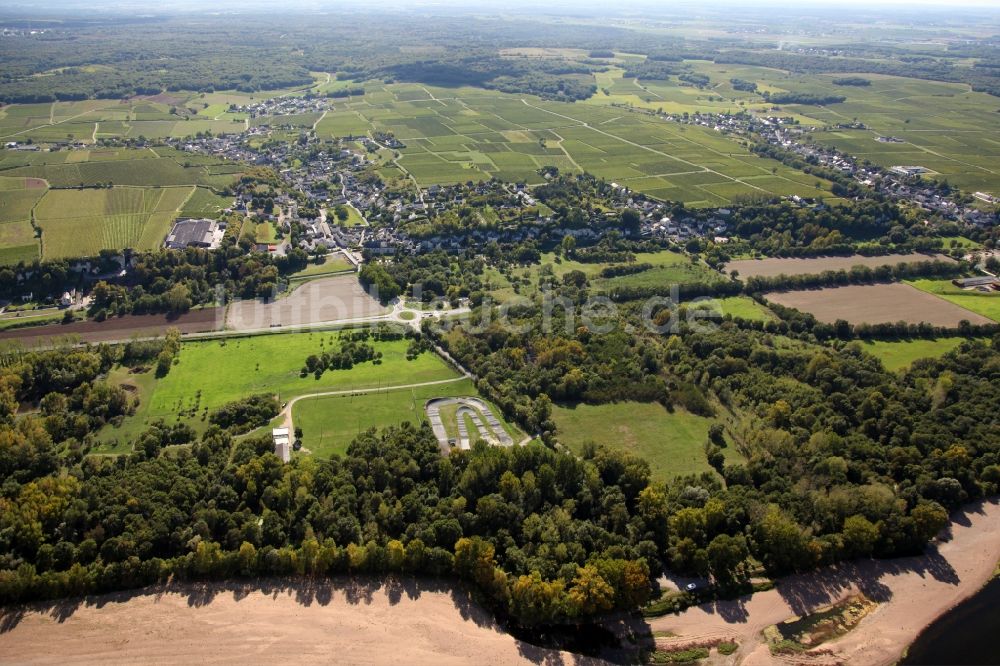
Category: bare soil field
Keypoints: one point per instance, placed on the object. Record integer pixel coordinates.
(775, 266)
(876, 304)
(342, 620)
(911, 592)
(117, 329)
(325, 300)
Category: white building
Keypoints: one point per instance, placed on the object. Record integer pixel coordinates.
(282, 447)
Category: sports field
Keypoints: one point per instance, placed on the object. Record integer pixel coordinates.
(876, 304)
(673, 443)
(460, 134)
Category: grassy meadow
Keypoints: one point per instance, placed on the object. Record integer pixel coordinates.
(330, 423)
(211, 373)
(899, 354)
(672, 443)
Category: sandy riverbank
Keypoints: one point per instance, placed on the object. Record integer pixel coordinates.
(343, 621)
(912, 592)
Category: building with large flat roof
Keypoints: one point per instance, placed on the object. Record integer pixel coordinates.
(195, 233)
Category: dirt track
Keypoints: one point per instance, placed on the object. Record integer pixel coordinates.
(118, 328)
(340, 621)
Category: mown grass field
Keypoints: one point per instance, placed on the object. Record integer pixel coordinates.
(353, 219)
(331, 263)
(672, 443)
(744, 307)
(211, 373)
(330, 423)
(898, 354)
(985, 304)
(228, 369)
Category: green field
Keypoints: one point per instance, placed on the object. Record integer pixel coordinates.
(78, 223)
(672, 443)
(228, 369)
(945, 127)
(266, 233)
(902, 353)
(471, 134)
(153, 117)
(119, 166)
(17, 236)
(211, 373)
(331, 263)
(330, 423)
(205, 203)
(744, 307)
(354, 218)
(985, 304)
(667, 268)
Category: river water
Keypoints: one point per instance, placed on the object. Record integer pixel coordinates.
(966, 635)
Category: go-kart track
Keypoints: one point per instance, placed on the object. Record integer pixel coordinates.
(477, 411)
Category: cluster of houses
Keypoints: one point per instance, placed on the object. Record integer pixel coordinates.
(283, 106)
(323, 177)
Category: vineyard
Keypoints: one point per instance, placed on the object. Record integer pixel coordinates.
(78, 223)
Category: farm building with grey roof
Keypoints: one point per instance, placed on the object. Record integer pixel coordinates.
(195, 233)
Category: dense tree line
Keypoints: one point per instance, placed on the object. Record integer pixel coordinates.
(545, 537)
(802, 98)
(842, 458)
(170, 281)
(245, 414)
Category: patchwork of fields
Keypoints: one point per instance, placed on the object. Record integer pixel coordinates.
(141, 167)
(945, 127)
(18, 241)
(461, 134)
(150, 117)
(151, 189)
